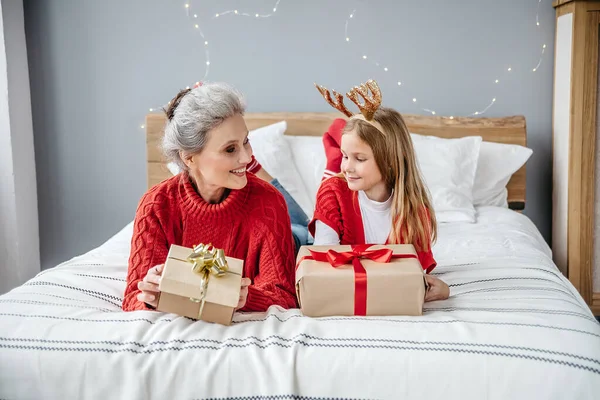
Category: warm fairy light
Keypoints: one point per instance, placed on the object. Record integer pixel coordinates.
(241, 13)
(189, 8)
(377, 64)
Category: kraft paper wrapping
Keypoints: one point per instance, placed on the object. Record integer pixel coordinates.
(183, 291)
(394, 288)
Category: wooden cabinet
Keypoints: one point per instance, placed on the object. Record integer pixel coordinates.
(576, 194)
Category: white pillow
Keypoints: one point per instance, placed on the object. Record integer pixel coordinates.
(448, 167)
(310, 160)
(173, 168)
(274, 154)
(497, 163)
(309, 157)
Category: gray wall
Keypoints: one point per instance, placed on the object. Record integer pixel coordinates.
(97, 66)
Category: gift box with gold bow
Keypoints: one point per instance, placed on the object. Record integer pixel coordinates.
(200, 283)
(360, 280)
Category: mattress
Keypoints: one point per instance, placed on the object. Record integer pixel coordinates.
(513, 327)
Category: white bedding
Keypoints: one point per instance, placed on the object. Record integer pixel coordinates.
(514, 328)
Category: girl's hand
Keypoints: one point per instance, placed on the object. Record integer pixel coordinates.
(243, 293)
(438, 289)
(149, 286)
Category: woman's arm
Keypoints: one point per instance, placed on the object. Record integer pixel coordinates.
(149, 248)
(274, 284)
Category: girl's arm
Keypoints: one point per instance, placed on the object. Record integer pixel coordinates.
(426, 255)
(325, 235)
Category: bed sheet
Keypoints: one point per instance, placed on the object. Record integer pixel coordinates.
(514, 327)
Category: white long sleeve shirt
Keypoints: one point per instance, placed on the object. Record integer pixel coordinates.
(376, 218)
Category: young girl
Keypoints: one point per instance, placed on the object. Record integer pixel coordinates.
(379, 197)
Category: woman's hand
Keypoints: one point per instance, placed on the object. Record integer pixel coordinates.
(149, 286)
(438, 289)
(243, 293)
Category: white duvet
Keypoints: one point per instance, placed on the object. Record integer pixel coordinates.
(513, 328)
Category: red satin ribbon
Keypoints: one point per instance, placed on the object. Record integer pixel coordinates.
(337, 259)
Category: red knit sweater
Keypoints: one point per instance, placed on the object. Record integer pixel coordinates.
(251, 224)
(337, 206)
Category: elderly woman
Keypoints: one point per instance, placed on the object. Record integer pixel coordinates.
(214, 200)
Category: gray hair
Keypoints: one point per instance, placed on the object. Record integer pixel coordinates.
(198, 111)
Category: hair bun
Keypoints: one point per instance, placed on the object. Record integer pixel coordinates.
(172, 106)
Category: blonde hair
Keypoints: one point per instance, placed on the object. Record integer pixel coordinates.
(413, 217)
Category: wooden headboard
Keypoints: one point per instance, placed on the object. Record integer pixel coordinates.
(509, 130)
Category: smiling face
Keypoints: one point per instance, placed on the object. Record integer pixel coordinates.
(222, 162)
(359, 165)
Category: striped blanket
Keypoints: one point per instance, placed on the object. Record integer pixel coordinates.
(513, 328)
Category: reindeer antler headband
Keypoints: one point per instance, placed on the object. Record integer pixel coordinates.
(371, 102)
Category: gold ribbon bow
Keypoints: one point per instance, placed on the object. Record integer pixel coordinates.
(207, 260)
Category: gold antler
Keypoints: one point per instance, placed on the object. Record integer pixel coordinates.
(371, 103)
(338, 104)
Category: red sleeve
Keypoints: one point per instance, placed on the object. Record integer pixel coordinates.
(327, 208)
(427, 261)
(148, 248)
(331, 142)
(253, 166)
(275, 282)
(426, 256)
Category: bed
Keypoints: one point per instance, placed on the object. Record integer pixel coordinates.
(513, 328)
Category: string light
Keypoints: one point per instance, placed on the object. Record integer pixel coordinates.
(486, 108)
(541, 58)
(346, 26)
(243, 14)
(347, 37)
(188, 6)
